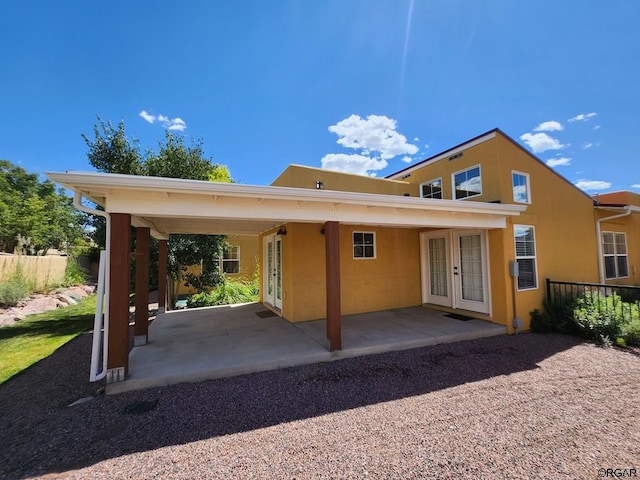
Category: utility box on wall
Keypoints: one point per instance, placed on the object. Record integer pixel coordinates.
(514, 269)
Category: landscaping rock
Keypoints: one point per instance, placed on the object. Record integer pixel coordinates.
(64, 298)
(39, 303)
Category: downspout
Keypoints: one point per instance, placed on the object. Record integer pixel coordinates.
(95, 376)
(627, 211)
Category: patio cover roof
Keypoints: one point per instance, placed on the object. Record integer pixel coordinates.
(169, 205)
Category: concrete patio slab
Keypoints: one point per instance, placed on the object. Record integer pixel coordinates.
(216, 342)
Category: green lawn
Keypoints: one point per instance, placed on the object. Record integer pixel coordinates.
(38, 336)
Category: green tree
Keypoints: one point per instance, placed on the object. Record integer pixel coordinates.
(34, 215)
(112, 151)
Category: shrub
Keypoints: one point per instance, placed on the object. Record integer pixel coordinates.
(74, 274)
(227, 293)
(15, 288)
(556, 317)
(605, 318)
(541, 322)
(631, 331)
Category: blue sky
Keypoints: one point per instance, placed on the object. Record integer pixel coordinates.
(364, 86)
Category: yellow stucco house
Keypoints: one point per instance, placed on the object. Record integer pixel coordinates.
(559, 233)
(445, 233)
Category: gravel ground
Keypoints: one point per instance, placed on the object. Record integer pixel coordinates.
(527, 406)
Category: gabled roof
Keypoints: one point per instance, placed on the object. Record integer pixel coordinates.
(401, 174)
(445, 154)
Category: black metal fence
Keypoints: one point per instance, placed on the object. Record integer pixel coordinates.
(605, 300)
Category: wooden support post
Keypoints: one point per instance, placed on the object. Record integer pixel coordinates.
(162, 275)
(332, 247)
(143, 235)
(119, 272)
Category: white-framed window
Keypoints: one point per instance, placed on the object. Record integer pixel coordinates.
(521, 187)
(614, 250)
(467, 183)
(364, 245)
(431, 189)
(230, 262)
(525, 241)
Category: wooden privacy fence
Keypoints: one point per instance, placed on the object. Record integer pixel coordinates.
(43, 271)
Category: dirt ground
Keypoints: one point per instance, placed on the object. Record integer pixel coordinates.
(526, 406)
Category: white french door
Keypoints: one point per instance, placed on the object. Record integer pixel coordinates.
(454, 269)
(272, 281)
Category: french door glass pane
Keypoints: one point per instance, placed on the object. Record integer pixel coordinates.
(471, 268)
(438, 267)
(270, 268)
(278, 269)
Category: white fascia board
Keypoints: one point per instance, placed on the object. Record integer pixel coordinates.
(154, 204)
(445, 154)
(110, 185)
(625, 208)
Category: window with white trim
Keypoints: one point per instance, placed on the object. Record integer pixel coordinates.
(614, 250)
(521, 188)
(230, 261)
(364, 245)
(431, 189)
(467, 183)
(525, 241)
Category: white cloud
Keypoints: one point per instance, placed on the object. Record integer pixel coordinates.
(550, 126)
(587, 145)
(635, 185)
(168, 123)
(596, 127)
(352, 163)
(376, 133)
(147, 116)
(541, 142)
(426, 145)
(582, 117)
(376, 140)
(474, 184)
(416, 139)
(520, 193)
(558, 162)
(176, 124)
(592, 184)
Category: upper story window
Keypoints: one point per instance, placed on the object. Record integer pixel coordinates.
(521, 187)
(467, 183)
(364, 245)
(231, 259)
(431, 189)
(614, 250)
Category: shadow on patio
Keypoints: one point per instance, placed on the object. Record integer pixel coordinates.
(217, 342)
